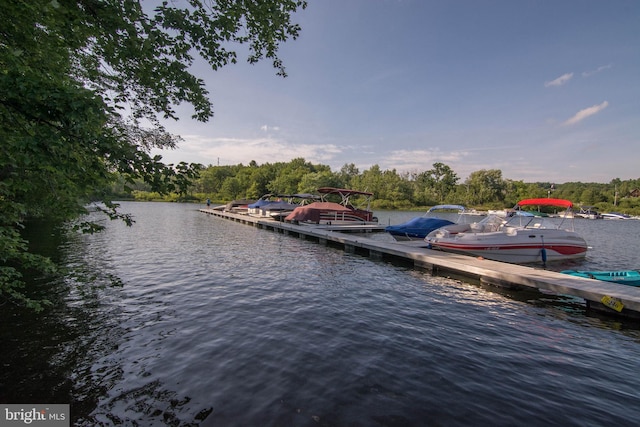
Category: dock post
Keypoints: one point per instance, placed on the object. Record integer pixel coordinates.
(423, 265)
(375, 255)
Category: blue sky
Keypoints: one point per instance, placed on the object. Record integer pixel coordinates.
(542, 90)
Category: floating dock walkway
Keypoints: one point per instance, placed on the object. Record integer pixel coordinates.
(610, 298)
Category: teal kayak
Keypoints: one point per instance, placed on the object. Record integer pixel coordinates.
(624, 277)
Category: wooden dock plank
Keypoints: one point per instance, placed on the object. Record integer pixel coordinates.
(488, 271)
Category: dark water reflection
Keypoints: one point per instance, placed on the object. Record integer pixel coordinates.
(188, 319)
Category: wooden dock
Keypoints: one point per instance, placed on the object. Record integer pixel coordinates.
(610, 298)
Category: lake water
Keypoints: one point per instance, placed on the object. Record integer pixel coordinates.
(190, 319)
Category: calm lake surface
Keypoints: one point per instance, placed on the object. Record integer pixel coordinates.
(189, 319)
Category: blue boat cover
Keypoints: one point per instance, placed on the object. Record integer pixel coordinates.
(259, 203)
(279, 205)
(417, 227)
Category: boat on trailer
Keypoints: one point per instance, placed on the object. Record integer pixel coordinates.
(520, 238)
(623, 277)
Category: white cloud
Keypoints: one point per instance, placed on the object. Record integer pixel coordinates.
(597, 70)
(266, 128)
(583, 114)
(421, 160)
(231, 151)
(560, 80)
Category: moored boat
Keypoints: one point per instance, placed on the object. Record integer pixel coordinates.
(278, 206)
(624, 277)
(417, 228)
(255, 209)
(520, 238)
(615, 215)
(588, 212)
(238, 206)
(280, 211)
(330, 212)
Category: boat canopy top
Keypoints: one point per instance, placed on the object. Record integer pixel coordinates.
(306, 196)
(343, 191)
(345, 195)
(544, 201)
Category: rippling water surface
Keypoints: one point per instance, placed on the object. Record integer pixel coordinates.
(189, 319)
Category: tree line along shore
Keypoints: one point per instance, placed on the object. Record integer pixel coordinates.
(482, 190)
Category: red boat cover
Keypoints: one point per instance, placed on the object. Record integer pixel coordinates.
(311, 212)
(546, 202)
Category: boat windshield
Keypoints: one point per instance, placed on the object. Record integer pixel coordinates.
(525, 220)
(519, 219)
(454, 213)
(492, 222)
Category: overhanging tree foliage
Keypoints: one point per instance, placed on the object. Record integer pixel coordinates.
(79, 78)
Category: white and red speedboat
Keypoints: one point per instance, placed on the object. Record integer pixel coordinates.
(519, 238)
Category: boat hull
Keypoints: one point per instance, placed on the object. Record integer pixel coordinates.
(514, 246)
(354, 217)
(615, 215)
(330, 213)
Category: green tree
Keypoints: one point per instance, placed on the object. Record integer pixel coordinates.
(518, 190)
(443, 179)
(369, 180)
(259, 181)
(435, 184)
(346, 175)
(394, 189)
(231, 188)
(289, 176)
(211, 179)
(77, 80)
(486, 187)
(587, 197)
(310, 182)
